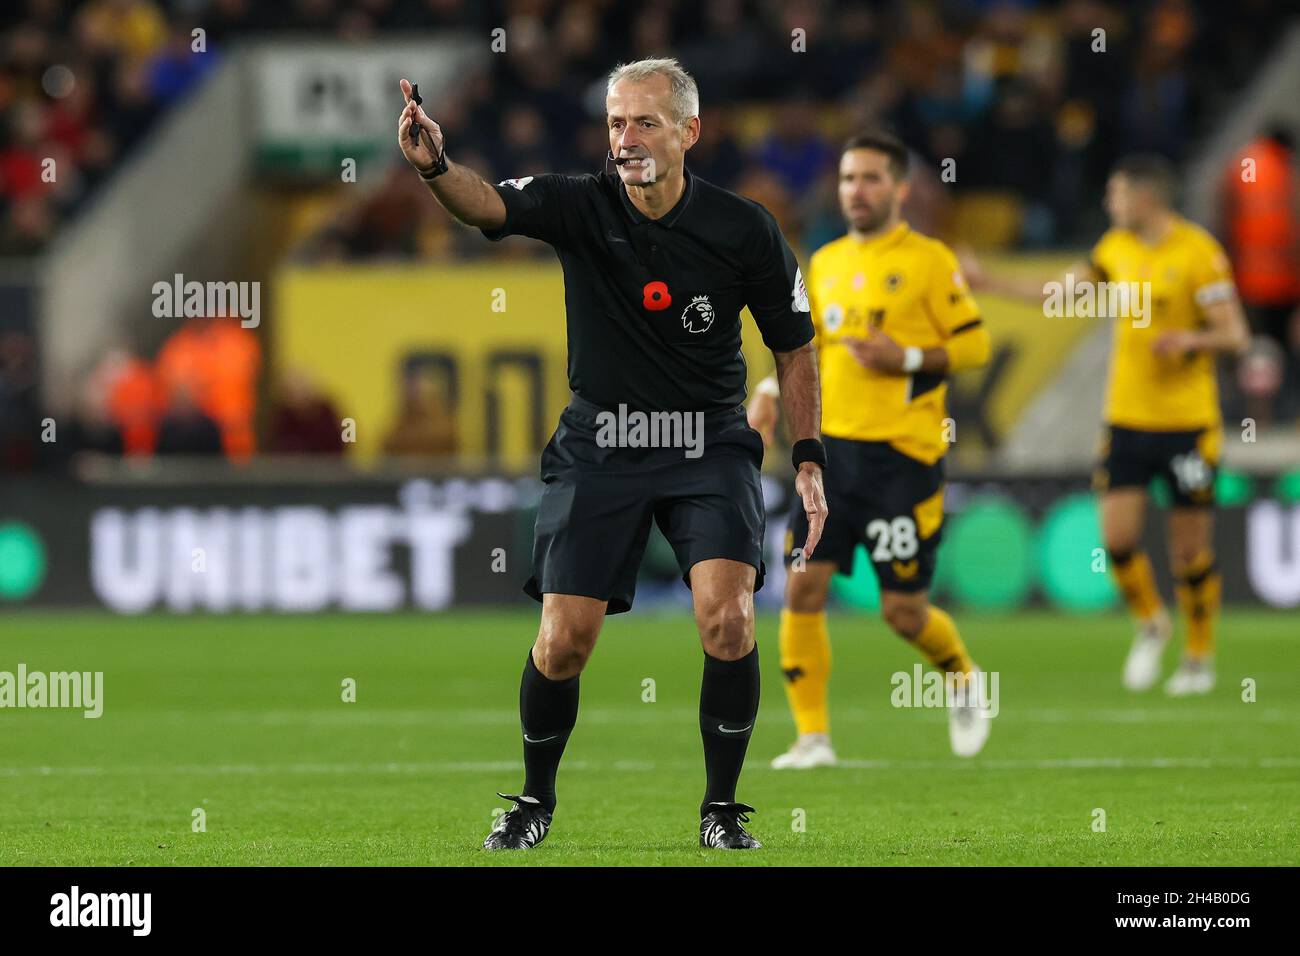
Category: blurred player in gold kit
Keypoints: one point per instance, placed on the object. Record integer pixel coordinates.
(1162, 406)
(893, 318)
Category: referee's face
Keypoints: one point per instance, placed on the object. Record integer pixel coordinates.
(870, 196)
(639, 116)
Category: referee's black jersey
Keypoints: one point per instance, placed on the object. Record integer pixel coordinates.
(653, 305)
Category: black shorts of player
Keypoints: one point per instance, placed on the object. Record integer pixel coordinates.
(883, 499)
(1188, 461)
(601, 491)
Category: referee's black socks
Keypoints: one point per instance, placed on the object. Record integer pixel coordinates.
(728, 706)
(548, 709)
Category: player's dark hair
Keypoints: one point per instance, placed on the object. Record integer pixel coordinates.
(882, 142)
(1150, 169)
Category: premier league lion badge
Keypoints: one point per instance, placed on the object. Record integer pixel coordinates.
(698, 316)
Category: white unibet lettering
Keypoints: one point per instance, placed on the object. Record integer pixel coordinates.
(434, 535)
(126, 558)
(366, 583)
(1273, 553)
(212, 532)
(250, 565)
(303, 559)
(417, 493)
(460, 494)
(496, 495)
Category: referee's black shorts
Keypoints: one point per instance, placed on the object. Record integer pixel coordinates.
(883, 499)
(593, 519)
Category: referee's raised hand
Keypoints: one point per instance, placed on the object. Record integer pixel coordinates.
(417, 151)
(460, 190)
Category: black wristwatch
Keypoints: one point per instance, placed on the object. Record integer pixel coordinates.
(437, 169)
(808, 449)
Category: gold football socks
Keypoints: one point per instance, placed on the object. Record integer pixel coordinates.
(1200, 592)
(1137, 583)
(806, 662)
(941, 645)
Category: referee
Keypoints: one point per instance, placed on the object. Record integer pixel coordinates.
(658, 265)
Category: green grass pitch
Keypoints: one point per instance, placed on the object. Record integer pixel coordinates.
(242, 717)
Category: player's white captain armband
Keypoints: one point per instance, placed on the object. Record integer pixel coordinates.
(768, 386)
(1213, 292)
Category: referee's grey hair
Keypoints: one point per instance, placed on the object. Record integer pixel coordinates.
(686, 95)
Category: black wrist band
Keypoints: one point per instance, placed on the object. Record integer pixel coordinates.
(808, 449)
(437, 169)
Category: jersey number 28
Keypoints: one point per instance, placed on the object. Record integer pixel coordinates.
(894, 540)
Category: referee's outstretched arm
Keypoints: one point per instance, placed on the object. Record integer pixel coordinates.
(463, 193)
(796, 375)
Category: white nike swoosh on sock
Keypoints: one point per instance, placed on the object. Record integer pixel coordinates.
(727, 730)
(530, 740)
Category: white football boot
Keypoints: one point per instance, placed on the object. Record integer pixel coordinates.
(1143, 665)
(1192, 677)
(809, 750)
(969, 717)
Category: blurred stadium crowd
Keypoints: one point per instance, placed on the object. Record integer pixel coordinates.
(1014, 92)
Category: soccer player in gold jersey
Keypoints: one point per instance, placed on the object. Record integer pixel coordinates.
(1179, 309)
(893, 317)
